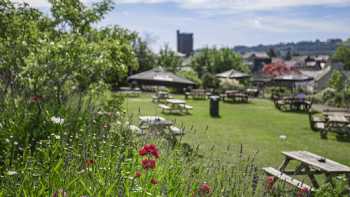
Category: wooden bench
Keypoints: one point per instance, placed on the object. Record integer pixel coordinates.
(176, 131)
(284, 177)
(316, 123)
(187, 107)
(164, 108)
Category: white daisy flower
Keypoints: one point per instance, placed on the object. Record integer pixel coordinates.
(57, 120)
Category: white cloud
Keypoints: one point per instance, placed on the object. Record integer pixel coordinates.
(34, 3)
(243, 5)
(232, 5)
(289, 25)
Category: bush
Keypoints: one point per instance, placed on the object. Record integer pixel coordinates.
(210, 81)
(228, 84)
(190, 75)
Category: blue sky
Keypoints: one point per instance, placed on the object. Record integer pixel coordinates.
(230, 22)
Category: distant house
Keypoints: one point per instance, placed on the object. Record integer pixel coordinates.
(321, 78)
(256, 60)
(318, 62)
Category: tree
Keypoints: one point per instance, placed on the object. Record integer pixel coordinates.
(210, 81)
(342, 54)
(56, 57)
(288, 55)
(336, 82)
(272, 53)
(145, 57)
(169, 59)
(215, 60)
(190, 75)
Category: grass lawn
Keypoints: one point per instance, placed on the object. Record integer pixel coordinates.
(257, 126)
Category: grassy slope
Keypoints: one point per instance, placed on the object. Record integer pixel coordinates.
(256, 125)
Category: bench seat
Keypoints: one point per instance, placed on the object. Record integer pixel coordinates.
(136, 130)
(284, 177)
(164, 107)
(176, 131)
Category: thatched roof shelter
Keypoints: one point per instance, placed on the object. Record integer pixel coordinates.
(233, 74)
(159, 77)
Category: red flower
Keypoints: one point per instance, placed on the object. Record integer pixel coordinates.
(149, 149)
(204, 188)
(60, 193)
(303, 191)
(270, 180)
(89, 162)
(36, 99)
(148, 164)
(137, 174)
(154, 181)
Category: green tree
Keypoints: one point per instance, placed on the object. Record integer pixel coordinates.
(342, 54)
(54, 58)
(190, 75)
(210, 81)
(336, 82)
(272, 53)
(145, 57)
(215, 60)
(168, 59)
(288, 55)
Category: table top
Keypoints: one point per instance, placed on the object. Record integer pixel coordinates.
(315, 161)
(155, 120)
(151, 118)
(337, 118)
(176, 101)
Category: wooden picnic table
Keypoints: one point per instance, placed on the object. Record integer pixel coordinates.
(178, 106)
(310, 165)
(293, 104)
(154, 124)
(161, 96)
(236, 96)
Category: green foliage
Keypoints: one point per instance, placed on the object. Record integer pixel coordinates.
(190, 75)
(215, 60)
(336, 82)
(146, 58)
(169, 60)
(288, 56)
(272, 53)
(229, 84)
(210, 81)
(342, 54)
(44, 65)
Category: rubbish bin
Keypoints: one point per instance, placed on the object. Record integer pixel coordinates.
(214, 106)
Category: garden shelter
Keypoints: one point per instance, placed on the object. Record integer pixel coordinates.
(160, 77)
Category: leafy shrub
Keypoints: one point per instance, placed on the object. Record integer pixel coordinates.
(210, 81)
(228, 84)
(190, 75)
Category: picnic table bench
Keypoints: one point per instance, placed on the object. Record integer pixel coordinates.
(161, 97)
(235, 96)
(197, 94)
(310, 166)
(293, 104)
(157, 124)
(175, 106)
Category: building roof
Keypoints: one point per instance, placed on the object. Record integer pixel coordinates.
(158, 76)
(232, 74)
(262, 55)
(294, 77)
(316, 74)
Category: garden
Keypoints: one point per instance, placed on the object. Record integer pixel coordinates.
(64, 132)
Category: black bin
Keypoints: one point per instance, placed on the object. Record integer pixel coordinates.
(214, 106)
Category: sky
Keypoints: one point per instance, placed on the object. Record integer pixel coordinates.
(228, 23)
